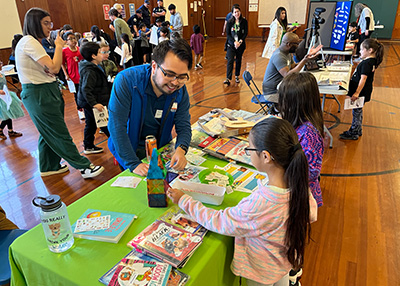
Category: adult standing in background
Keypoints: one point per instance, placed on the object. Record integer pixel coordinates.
(146, 12)
(117, 7)
(159, 11)
(43, 99)
(236, 32)
(175, 20)
(277, 29)
(121, 27)
(134, 22)
(366, 22)
(227, 18)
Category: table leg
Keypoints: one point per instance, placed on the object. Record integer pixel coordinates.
(334, 97)
(330, 136)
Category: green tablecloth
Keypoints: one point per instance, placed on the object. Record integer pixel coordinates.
(32, 263)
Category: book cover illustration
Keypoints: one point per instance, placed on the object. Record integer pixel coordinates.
(207, 142)
(119, 223)
(132, 272)
(189, 173)
(216, 145)
(198, 137)
(176, 277)
(166, 242)
(228, 146)
(237, 153)
(177, 217)
(101, 117)
(245, 179)
(156, 195)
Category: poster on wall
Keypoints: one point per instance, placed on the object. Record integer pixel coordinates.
(123, 12)
(106, 8)
(132, 10)
(253, 7)
(340, 25)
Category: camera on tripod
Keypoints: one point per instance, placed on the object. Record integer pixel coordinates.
(317, 20)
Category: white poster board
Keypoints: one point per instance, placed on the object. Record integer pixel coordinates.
(296, 10)
(9, 23)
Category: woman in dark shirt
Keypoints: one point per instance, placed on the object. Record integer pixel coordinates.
(236, 31)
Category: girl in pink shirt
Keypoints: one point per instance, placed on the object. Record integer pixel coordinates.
(272, 224)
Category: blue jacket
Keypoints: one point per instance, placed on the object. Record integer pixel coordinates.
(126, 115)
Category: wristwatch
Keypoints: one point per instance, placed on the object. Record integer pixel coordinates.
(184, 148)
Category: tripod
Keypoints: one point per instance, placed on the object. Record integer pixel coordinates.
(316, 41)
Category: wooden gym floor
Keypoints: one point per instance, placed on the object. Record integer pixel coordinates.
(356, 238)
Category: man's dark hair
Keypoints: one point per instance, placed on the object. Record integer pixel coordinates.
(65, 35)
(113, 12)
(32, 25)
(66, 27)
(171, 7)
(88, 49)
(178, 47)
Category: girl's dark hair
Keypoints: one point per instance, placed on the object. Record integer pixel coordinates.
(32, 25)
(165, 24)
(196, 29)
(377, 47)
(178, 47)
(233, 19)
(278, 137)
(14, 43)
(299, 100)
(278, 17)
(125, 37)
(165, 30)
(88, 49)
(96, 31)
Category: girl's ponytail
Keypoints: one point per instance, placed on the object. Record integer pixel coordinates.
(296, 176)
(377, 47)
(379, 53)
(280, 139)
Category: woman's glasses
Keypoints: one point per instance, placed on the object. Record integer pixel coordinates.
(48, 24)
(247, 152)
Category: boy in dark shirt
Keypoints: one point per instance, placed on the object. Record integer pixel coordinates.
(353, 37)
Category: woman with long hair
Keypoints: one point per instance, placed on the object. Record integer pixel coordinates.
(277, 29)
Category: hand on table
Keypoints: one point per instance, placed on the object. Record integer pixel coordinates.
(175, 195)
(178, 161)
(141, 169)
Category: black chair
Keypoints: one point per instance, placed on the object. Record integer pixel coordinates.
(267, 107)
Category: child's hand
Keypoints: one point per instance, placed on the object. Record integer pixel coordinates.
(2, 92)
(354, 97)
(99, 107)
(175, 195)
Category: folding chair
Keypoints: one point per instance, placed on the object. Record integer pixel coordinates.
(268, 107)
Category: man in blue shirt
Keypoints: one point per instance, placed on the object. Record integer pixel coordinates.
(151, 100)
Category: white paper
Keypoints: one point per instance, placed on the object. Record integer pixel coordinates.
(126, 182)
(118, 51)
(71, 86)
(195, 6)
(348, 104)
(6, 97)
(154, 36)
(253, 8)
(191, 5)
(101, 117)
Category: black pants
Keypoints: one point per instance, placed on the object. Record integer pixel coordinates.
(7, 122)
(128, 64)
(76, 95)
(231, 53)
(91, 128)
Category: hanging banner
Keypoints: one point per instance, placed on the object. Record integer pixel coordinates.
(106, 8)
(132, 10)
(123, 12)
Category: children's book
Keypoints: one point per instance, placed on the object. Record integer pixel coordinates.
(228, 146)
(348, 104)
(176, 277)
(135, 272)
(177, 217)
(198, 137)
(189, 173)
(166, 242)
(245, 179)
(101, 117)
(119, 223)
(237, 153)
(207, 142)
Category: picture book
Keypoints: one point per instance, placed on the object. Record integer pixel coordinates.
(136, 272)
(119, 223)
(176, 277)
(189, 173)
(237, 153)
(245, 179)
(101, 117)
(198, 137)
(207, 142)
(169, 243)
(228, 146)
(348, 104)
(216, 145)
(177, 217)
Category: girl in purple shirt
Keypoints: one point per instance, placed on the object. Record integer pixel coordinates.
(272, 224)
(196, 43)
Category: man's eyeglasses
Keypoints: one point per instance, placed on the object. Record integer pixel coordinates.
(173, 76)
(48, 24)
(105, 52)
(247, 152)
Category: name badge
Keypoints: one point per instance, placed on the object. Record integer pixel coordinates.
(158, 114)
(174, 107)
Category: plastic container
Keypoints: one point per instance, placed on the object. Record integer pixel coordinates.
(55, 222)
(208, 194)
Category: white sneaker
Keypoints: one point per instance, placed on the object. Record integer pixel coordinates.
(92, 171)
(63, 169)
(81, 115)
